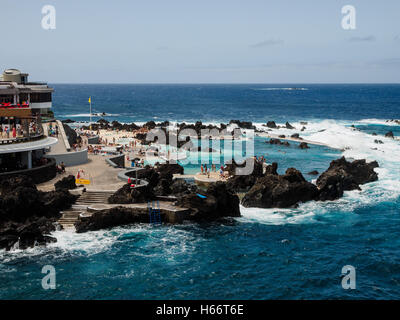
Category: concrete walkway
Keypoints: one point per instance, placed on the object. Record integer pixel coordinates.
(102, 176)
(60, 146)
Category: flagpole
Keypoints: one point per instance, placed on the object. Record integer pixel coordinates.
(90, 112)
(90, 103)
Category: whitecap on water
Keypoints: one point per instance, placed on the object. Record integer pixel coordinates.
(357, 145)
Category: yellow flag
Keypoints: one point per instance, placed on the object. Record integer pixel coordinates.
(90, 100)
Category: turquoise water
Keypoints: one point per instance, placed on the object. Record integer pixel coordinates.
(267, 253)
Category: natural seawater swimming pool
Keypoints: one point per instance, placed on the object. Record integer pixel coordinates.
(267, 253)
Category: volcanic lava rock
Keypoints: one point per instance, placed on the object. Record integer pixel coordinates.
(159, 178)
(28, 215)
(169, 169)
(110, 218)
(67, 121)
(343, 175)
(271, 124)
(304, 145)
(243, 124)
(289, 126)
(280, 191)
(126, 194)
(389, 134)
(242, 183)
(217, 202)
(313, 173)
(295, 135)
(180, 187)
(67, 183)
(278, 142)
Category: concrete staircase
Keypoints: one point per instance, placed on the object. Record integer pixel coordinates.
(71, 216)
(92, 197)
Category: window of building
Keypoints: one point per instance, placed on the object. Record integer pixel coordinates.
(6, 98)
(41, 97)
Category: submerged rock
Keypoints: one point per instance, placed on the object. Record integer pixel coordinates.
(343, 175)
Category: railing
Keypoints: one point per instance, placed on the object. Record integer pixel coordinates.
(31, 137)
(8, 105)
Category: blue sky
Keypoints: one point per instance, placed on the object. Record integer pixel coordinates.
(186, 41)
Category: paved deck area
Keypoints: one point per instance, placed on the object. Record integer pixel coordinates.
(101, 175)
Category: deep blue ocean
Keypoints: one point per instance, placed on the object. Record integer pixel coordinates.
(265, 254)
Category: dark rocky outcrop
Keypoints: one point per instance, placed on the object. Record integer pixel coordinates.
(219, 202)
(67, 183)
(180, 187)
(295, 135)
(159, 178)
(110, 218)
(313, 173)
(304, 145)
(289, 126)
(243, 124)
(343, 175)
(242, 183)
(68, 121)
(27, 215)
(126, 194)
(280, 191)
(272, 125)
(389, 134)
(278, 142)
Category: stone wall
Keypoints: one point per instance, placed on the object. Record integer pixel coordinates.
(93, 140)
(72, 158)
(117, 161)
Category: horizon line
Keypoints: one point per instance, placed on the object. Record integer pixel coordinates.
(231, 83)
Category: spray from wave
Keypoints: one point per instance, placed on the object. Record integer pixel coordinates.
(355, 145)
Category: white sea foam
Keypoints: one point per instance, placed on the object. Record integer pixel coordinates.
(281, 89)
(378, 121)
(356, 145)
(87, 115)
